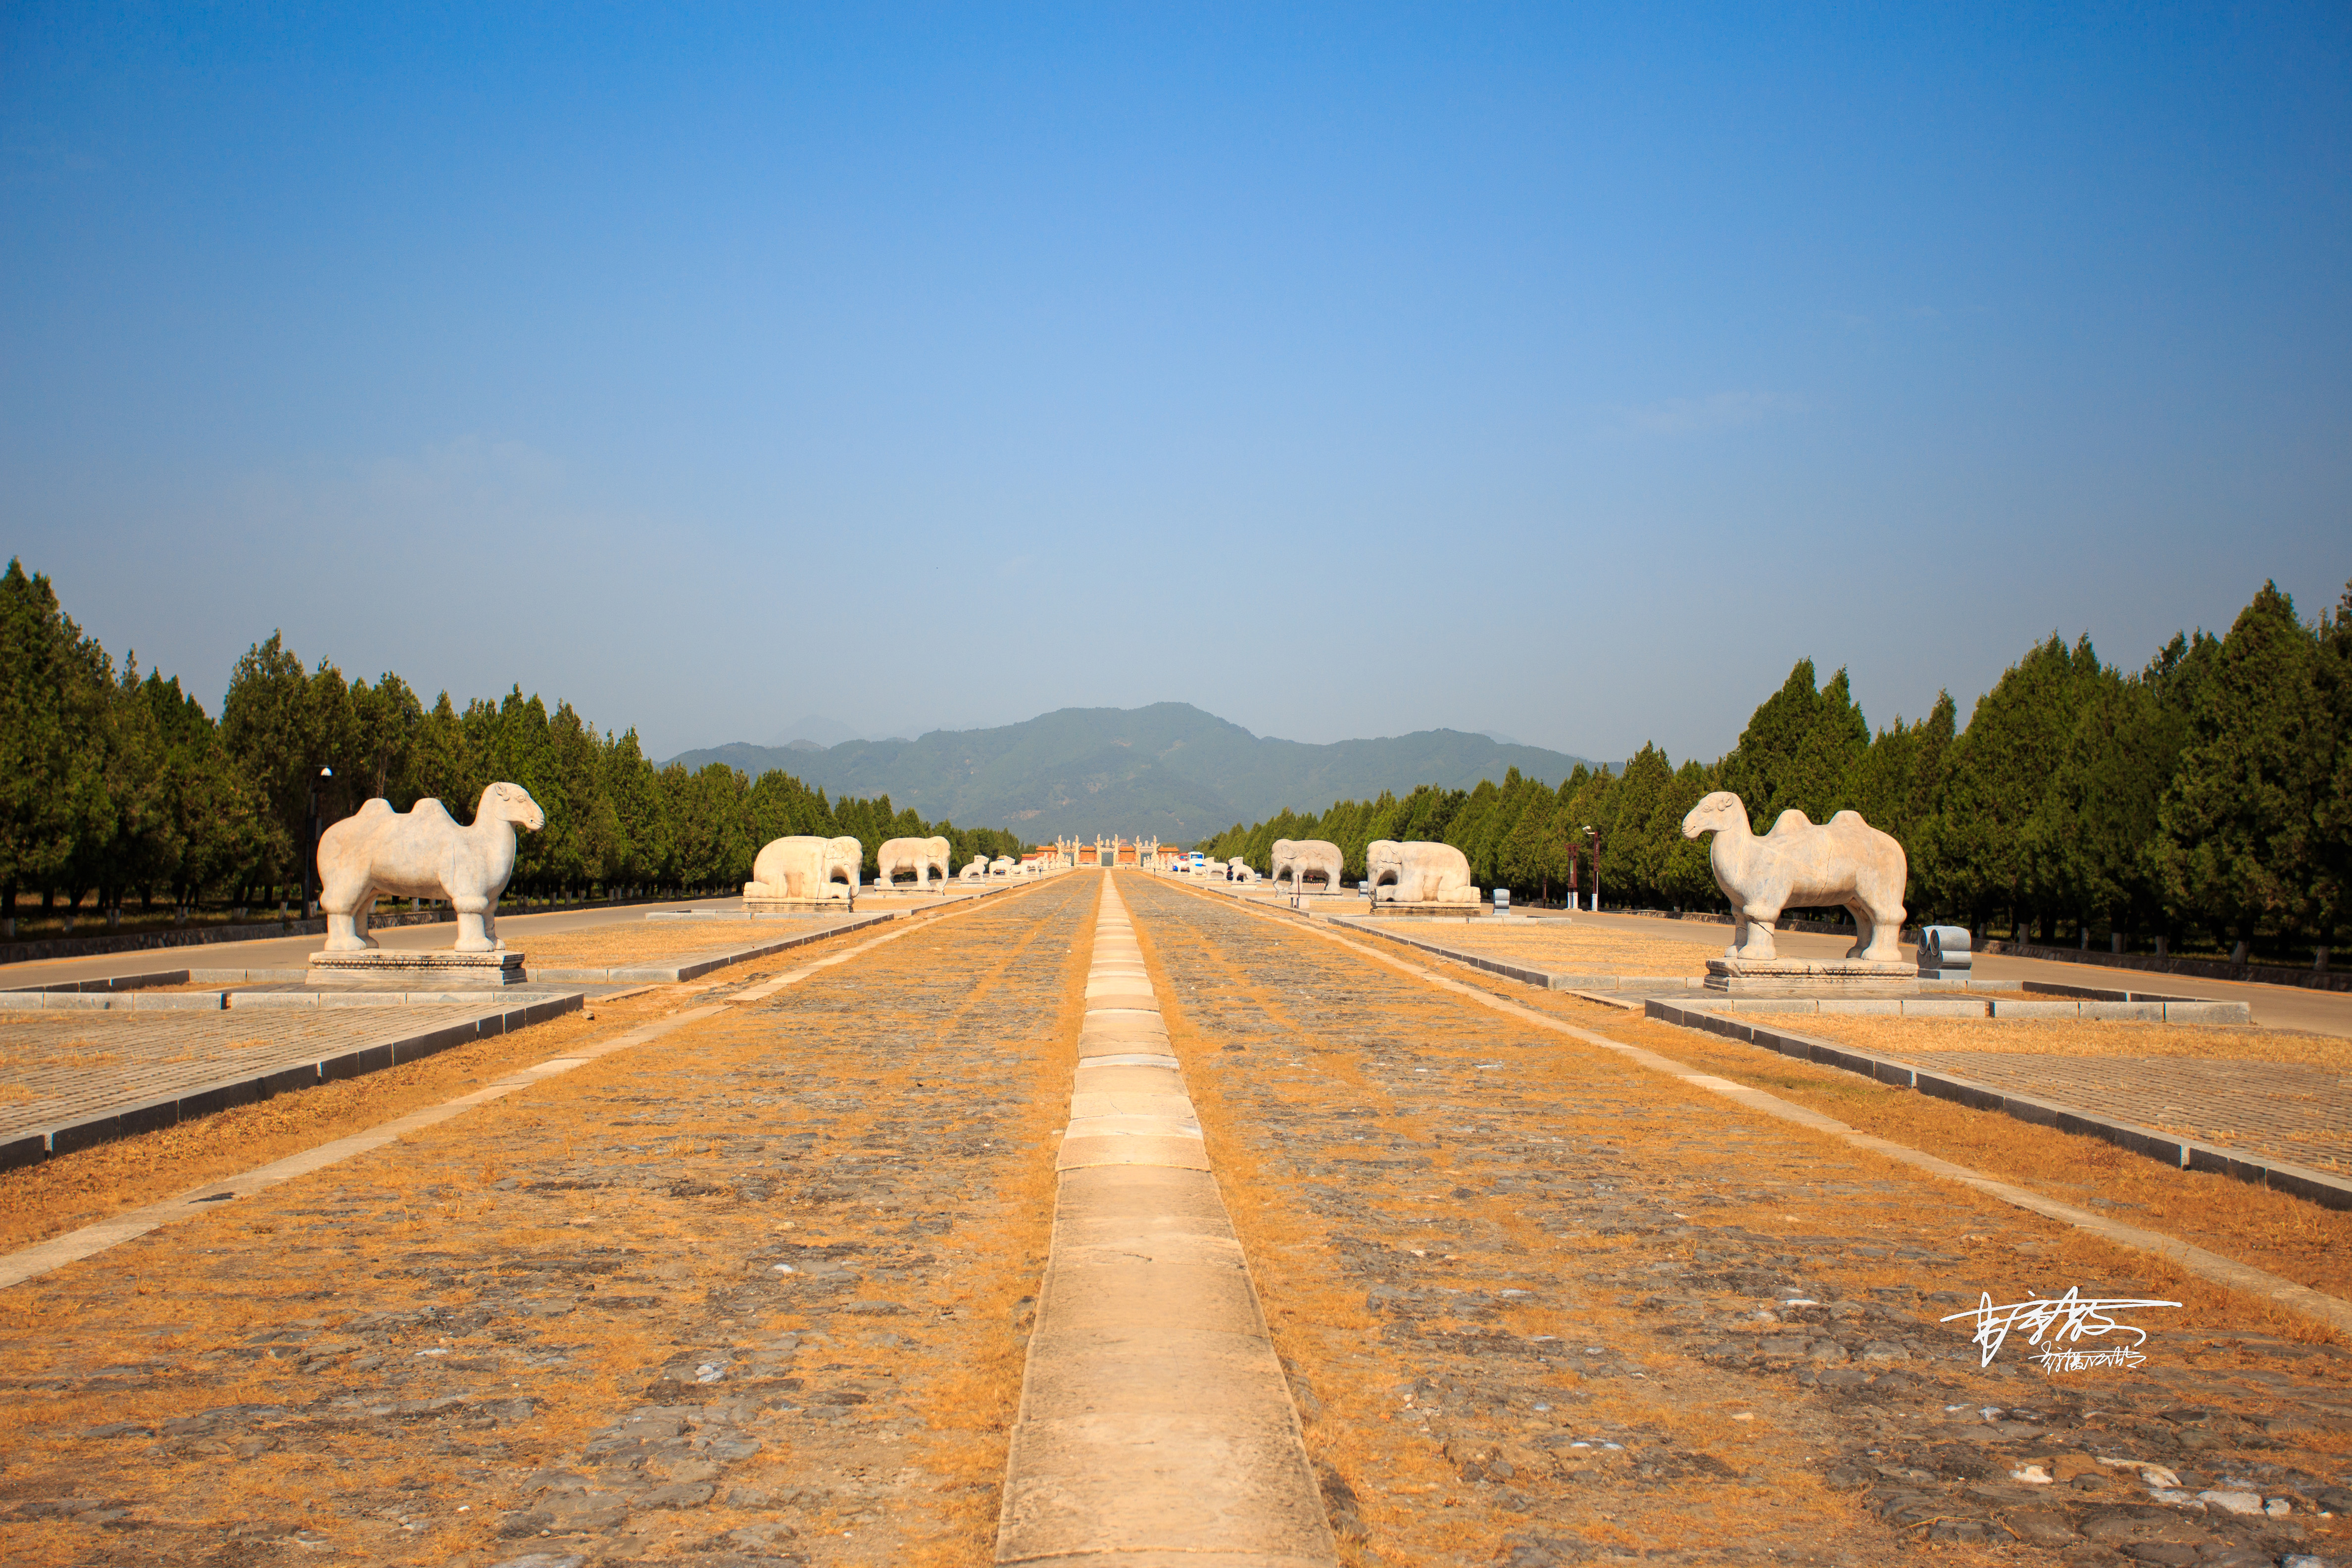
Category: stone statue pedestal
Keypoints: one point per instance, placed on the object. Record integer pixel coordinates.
(380, 970)
(1810, 977)
(798, 907)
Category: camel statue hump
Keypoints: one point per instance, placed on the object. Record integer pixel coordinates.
(1790, 821)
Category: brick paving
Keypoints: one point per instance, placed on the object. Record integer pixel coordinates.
(2280, 1109)
(73, 1066)
(748, 1296)
(1544, 1308)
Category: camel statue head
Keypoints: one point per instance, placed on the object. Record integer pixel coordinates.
(1718, 811)
(510, 803)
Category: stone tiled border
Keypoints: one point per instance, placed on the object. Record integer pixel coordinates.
(2185, 1153)
(1156, 1425)
(146, 1116)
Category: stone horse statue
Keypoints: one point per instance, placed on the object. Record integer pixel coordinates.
(1844, 861)
(422, 853)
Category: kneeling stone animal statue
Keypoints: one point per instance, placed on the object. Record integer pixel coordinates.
(803, 866)
(1842, 861)
(422, 853)
(1421, 872)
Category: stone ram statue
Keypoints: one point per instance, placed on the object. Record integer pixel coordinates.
(1845, 861)
(1421, 873)
(806, 866)
(422, 853)
(920, 855)
(1301, 858)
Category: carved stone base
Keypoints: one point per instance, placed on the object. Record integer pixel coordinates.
(381, 970)
(1803, 977)
(1421, 906)
(796, 906)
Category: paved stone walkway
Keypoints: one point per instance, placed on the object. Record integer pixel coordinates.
(2275, 1109)
(1541, 1307)
(73, 1066)
(758, 1293)
(753, 1294)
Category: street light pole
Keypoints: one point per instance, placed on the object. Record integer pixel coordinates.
(310, 848)
(1594, 839)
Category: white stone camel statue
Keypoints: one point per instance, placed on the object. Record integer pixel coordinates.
(422, 853)
(1844, 861)
(920, 855)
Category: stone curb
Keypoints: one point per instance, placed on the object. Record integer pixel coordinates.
(1156, 1425)
(64, 1138)
(2185, 1153)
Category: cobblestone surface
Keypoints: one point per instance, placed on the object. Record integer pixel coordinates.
(751, 1294)
(72, 1066)
(1541, 1307)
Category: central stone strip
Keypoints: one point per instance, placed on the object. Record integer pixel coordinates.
(1156, 1427)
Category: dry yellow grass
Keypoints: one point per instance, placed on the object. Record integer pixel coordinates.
(182, 1296)
(1327, 1335)
(83, 1187)
(1561, 947)
(622, 943)
(2081, 1037)
(2256, 1225)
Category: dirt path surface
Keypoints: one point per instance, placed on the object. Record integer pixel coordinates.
(753, 1293)
(1542, 1306)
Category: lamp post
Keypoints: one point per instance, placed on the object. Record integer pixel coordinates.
(1594, 839)
(310, 848)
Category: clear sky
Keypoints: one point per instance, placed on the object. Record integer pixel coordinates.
(1561, 372)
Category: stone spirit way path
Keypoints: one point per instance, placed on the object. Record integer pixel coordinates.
(1155, 1424)
(1542, 1306)
(755, 1292)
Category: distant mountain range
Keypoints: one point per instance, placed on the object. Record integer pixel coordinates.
(1167, 770)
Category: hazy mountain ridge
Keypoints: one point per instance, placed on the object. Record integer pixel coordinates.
(1169, 769)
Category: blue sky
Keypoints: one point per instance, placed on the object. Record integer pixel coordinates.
(1565, 372)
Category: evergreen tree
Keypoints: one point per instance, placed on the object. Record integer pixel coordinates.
(2241, 838)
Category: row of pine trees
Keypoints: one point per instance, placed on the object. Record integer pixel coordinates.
(2205, 797)
(123, 785)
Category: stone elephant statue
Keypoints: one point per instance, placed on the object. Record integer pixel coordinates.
(1421, 873)
(806, 866)
(422, 853)
(920, 855)
(1298, 859)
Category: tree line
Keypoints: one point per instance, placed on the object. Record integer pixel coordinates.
(2203, 798)
(120, 783)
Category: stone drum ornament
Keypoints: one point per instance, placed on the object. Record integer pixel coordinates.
(1845, 861)
(422, 853)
